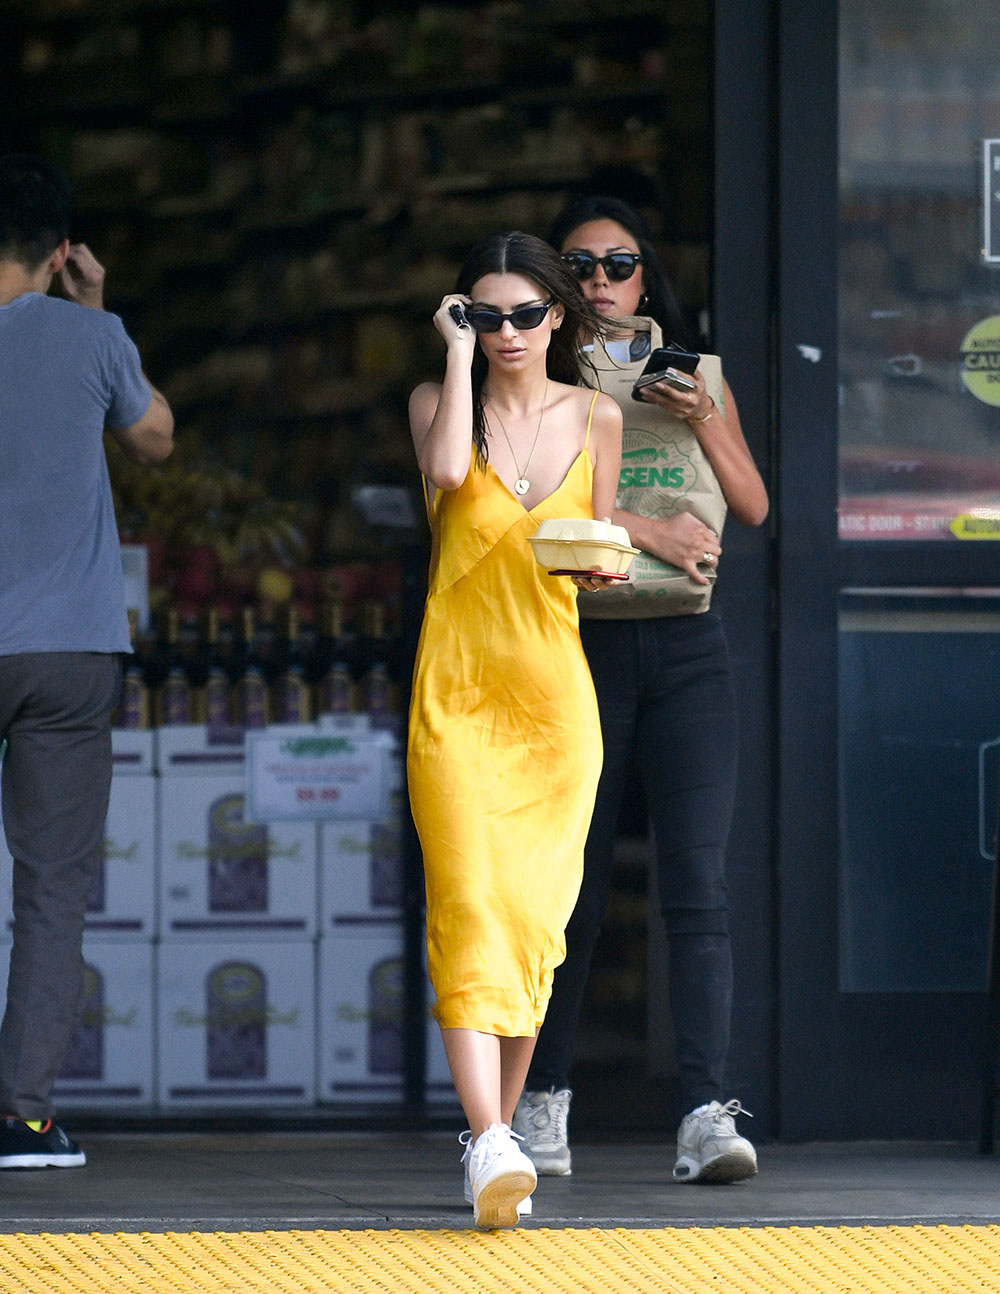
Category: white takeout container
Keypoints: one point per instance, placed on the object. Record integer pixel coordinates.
(580, 544)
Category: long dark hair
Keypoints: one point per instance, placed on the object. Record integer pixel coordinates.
(661, 303)
(518, 253)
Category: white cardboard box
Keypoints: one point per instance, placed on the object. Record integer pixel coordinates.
(192, 750)
(110, 1060)
(132, 751)
(237, 1023)
(360, 1008)
(222, 876)
(361, 865)
(361, 873)
(122, 903)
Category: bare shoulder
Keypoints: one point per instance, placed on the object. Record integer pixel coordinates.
(424, 401)
(606, 422)
(425, 396)
(607, 414)
(577, 401)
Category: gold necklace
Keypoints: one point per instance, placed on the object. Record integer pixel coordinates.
(522, 485)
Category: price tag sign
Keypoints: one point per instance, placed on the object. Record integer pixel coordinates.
(317, 775)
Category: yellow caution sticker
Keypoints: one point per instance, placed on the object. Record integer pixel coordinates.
(981, 363)
(967, 525)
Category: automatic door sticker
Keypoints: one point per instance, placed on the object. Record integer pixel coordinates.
(981, 360)
(981, 523)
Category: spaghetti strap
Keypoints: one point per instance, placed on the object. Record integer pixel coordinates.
(590, 417)
(429, 503)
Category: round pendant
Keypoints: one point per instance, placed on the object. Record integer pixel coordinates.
(521, 486)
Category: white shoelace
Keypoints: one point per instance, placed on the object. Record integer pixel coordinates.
(493, 1142)
(723, 1116)
(549, 1119)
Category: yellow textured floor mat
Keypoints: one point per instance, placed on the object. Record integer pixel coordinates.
(745, 1260)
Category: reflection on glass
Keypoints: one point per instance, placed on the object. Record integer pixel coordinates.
(918, 734)
(919, 442)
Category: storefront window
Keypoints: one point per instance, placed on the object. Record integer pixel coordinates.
(919, 767)
(919, 302)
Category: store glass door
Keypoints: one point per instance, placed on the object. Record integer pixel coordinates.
(890, 585)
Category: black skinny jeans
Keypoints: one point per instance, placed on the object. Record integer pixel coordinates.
(665, 695)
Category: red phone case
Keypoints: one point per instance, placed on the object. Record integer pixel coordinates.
(604, 575)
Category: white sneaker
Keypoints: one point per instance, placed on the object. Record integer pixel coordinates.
(499, 1175)
(709, 1149)
(524, 1207)
(541, 1119)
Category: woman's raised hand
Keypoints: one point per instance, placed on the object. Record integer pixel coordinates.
(449, 320)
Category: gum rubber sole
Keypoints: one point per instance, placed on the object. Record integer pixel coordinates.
(498, 1200)
(734, 1167)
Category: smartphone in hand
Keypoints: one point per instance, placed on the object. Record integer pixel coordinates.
(670, 364)
(668, 376)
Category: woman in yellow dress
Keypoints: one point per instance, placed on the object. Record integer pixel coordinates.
(504, 747)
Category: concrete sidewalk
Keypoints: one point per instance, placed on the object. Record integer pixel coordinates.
(235, 1181)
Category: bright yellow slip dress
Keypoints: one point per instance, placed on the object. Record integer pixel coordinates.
(504, 753)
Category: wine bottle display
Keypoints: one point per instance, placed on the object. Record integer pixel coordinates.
(331, 672)
(250, 689)
(290, 690)
(175, 691)
(212, 678)
(377, 689)
(133, 704)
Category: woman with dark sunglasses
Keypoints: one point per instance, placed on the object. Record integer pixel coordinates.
(660, 666)
(504, 742)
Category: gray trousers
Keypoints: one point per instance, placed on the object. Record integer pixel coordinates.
(55, 712)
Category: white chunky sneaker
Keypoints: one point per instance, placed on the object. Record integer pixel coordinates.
(465, 1139)
(500, 1177)
(541, 1119)
(709, 1149)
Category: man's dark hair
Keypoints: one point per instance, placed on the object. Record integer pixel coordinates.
(35, 200)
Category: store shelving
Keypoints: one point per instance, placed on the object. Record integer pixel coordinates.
(280, 204)
(301, 181)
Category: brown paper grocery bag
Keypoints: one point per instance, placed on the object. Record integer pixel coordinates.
(664, 471)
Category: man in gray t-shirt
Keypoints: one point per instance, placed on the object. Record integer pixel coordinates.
(68, 373)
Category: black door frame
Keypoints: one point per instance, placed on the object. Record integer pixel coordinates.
(848, 1065)
(742, 314)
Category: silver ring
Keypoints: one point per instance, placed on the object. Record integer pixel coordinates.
(708, 557)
